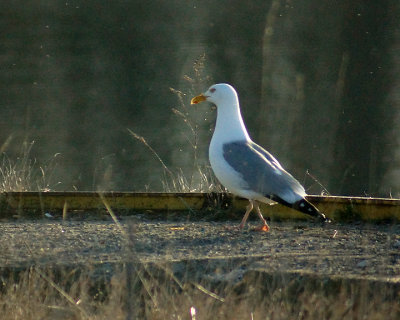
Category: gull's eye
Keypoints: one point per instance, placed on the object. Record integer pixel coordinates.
(212, 90)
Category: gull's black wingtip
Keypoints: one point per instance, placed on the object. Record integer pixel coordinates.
(306, 207)
(303, 206)
(324, 219)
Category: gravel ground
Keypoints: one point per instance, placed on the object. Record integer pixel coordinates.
(335, 249)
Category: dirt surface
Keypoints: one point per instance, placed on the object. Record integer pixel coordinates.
(335, 249)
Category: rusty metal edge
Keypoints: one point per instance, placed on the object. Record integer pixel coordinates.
(335, 207)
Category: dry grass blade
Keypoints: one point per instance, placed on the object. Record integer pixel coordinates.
(112, 214)
(208, 292)
(131, 266)
(143, 140)
(324, 190)
(193, 313)
(5, 144)
(24, 174)
(62, 292)
(195, 177)
(65, 211)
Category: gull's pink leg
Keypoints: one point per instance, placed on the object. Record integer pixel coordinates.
(265, 226)
(246, 215)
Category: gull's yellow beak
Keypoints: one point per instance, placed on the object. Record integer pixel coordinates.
(198, 99)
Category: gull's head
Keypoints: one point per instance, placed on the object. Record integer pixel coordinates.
(218, 94)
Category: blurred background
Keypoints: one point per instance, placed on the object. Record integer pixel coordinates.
(318, 81)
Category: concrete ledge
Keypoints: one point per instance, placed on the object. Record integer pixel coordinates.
(336, 208)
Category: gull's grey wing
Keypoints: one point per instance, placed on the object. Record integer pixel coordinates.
(261, 171)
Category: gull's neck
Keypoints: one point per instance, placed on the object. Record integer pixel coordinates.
(230, 125)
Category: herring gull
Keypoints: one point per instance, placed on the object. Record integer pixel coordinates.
(245, 168)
